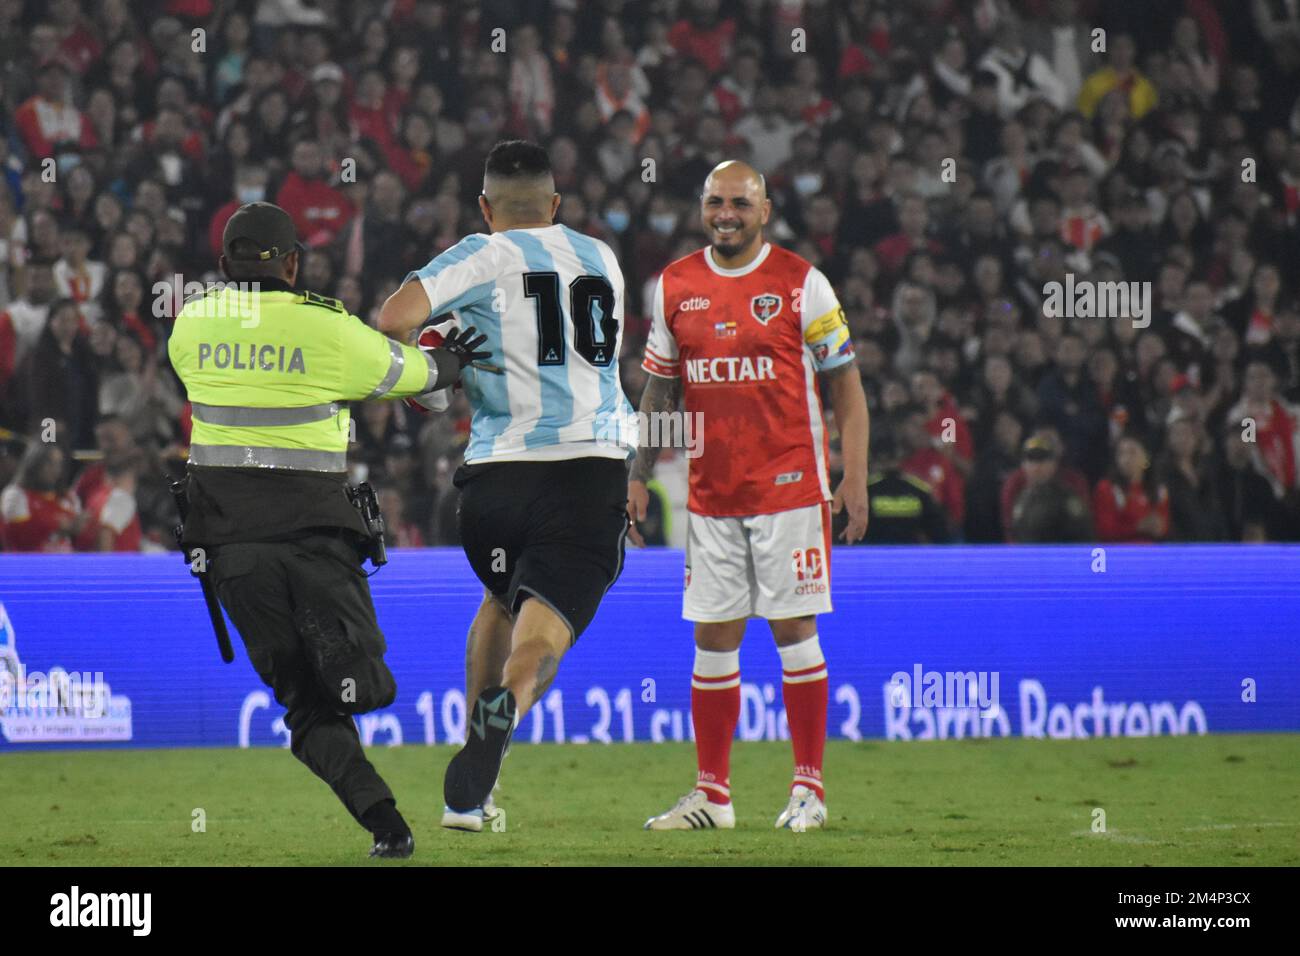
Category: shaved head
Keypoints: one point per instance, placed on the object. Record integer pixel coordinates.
(734, 209)
(734, 172)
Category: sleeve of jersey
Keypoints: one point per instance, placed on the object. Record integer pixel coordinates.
(374, 366)
(457, 278)
(825, 331)
(661, 356)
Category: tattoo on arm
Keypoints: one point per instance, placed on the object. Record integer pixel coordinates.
(660, 395)
(546, 670)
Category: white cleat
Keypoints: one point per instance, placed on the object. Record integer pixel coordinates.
(805, 811)
(695, 812)
(473, 821)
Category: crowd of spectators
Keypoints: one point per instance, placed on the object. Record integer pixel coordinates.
(940, 160)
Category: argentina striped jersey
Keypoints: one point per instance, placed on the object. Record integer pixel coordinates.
(550, 301)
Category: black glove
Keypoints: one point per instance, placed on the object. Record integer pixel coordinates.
(462, 345)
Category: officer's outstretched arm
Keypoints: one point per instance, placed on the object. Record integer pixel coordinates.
(374, 366)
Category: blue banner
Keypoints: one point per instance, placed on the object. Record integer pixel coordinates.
(116, 650)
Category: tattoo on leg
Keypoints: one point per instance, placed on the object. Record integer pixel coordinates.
(546, 670)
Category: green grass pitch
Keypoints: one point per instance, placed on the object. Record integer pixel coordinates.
(1216, 800)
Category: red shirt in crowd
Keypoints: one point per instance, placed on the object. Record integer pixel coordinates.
(949, 487)
(94, 478)
(44, 125)
(1118, 511)
(8, 348)
(857, 58)
(964, 446)
(114, 509)
(892, 251)
(1277, 437)
(30, 520)
(319, 211)
(711, 47)
(375, 123)
(80, 48)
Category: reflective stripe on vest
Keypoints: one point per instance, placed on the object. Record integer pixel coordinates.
(395, 366)
(245, 456)
(394, 371)
(243, 416)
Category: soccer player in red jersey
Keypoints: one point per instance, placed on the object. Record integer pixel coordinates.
(740, 330)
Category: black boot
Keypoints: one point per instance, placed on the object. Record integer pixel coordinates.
(473, 772)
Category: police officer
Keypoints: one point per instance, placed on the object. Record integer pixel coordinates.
(903, 508)
(269, 371)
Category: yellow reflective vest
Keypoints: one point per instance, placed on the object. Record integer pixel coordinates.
(268, 372)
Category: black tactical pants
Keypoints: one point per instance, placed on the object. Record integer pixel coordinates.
(304, 611)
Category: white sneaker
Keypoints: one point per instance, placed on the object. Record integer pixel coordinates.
(473, 820)
(695, 812)
(805, 811)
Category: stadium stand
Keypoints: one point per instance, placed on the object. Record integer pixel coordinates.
(941, 161)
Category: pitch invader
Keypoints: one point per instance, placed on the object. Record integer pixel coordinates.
(740, 332)
(542, 514)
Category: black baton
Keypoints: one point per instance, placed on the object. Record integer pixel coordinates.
(177, 489)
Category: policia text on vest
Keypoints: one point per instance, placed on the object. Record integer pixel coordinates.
(265, 358)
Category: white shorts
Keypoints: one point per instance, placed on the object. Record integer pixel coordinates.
(773, 566)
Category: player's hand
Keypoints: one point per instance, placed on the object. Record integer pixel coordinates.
(463, 344)
(638, 500)
(853, 496)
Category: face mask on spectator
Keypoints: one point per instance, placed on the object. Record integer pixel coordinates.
(806, 184)
(249, 194)
(664, 223)
(617, 219)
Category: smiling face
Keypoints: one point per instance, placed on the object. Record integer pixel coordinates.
(734, 208)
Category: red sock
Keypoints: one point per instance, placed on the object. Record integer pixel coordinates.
(715, 708)
(805, 688)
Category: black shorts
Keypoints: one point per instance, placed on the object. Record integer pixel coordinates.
(553, 530)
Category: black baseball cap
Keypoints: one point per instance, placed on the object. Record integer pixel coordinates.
(267, 229)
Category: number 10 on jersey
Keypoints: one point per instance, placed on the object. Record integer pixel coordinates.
(591, 304)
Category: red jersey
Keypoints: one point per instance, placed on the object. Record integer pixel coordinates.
(30, 520)
(112, 508)
(1277, 439)
(319, 211)
(946, 483)
(937, 427)
(748, 344)
(1119, 510)
(44, 125)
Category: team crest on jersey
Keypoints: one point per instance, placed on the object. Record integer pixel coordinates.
(765, 307)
